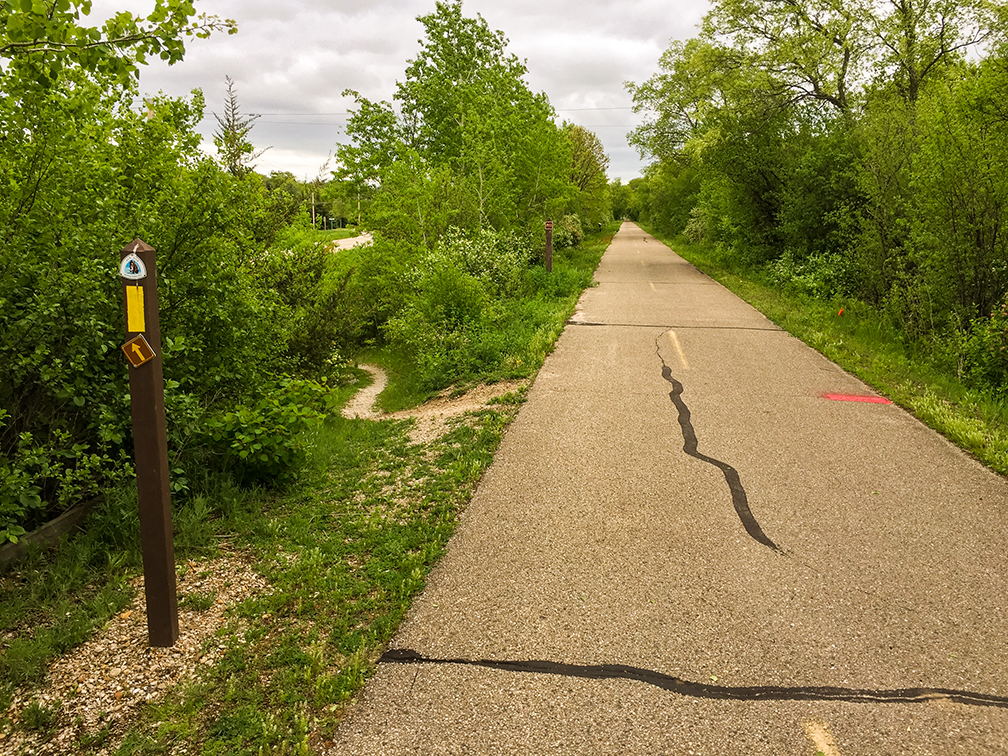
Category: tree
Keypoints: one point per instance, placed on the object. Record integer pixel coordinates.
(619, 195)
(461, 66)
(589, 162)
(917, 39)
(484, 149)
(235, 151)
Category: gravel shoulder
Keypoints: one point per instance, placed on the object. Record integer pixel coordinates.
(102, 684)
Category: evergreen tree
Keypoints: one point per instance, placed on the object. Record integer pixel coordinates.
(233, 146)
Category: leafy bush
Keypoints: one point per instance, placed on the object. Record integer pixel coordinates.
(495, 258)
(984, 360)
(441, 326)
(312, 285)
(820, 275)
(567, 232)
(263, 443)
(458, 294)
(85, 173)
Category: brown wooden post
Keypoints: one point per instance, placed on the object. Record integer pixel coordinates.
(549, 245)
(143, 350)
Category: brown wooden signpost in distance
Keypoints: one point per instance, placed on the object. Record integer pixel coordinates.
(143, 350)
(549, 246)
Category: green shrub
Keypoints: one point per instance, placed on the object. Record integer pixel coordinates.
(84, 173)
(567, 232)
(821, 275)
(984, 355)
(459, 291)
(495, 258)
(263, 443)
(312, 285)
(442, 324)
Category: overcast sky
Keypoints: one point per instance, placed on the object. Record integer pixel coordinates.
(292, 59)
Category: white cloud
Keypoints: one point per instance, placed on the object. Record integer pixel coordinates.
(293, 59)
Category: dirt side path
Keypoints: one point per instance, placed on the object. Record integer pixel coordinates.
(430, 418)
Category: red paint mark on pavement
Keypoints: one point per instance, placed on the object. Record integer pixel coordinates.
(852, 398)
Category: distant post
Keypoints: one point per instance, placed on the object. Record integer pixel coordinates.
(143, 350)
(549, 245)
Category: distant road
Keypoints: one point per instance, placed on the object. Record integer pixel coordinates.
(700, 536)
(353, 241)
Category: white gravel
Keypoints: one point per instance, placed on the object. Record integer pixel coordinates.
(102, 682)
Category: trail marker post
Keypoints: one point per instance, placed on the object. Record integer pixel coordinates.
(549, 245)
(143, 350)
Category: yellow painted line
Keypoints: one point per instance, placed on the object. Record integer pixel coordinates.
(822, 738)
(679, 349)
(652, 286)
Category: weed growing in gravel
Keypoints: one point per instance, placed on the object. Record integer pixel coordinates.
(37, 716)
(198, 602)
(95, 741)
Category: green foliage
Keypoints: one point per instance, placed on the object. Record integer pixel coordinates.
(567, 232)
(38, 716)
(961, 193)
(42, 38)
(845, 151)
(478, 310)
(456, 189)
(983, 359)
(442, 324)
(497, 259)
(473, 147)
(235, 151)
(311, 284)
(85, 173)
(588, 174)
(264, 443)
(448, 322)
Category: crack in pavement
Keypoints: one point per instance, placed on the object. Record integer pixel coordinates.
(740, 499)
(705, 690)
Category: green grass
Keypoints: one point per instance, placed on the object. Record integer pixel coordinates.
(348, 549)
(402, 392)
(54, 599)
(861, 342)
(345, 549)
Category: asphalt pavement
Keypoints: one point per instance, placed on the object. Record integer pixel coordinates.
(699, 536)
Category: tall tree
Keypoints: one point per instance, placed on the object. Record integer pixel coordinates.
(234, 149)
(589, 162)
(484, 149)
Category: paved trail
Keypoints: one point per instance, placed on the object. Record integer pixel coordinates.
(683, 547)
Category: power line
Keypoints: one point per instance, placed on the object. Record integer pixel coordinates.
(571, 110)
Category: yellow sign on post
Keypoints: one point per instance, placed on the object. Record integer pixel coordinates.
(135, 309)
